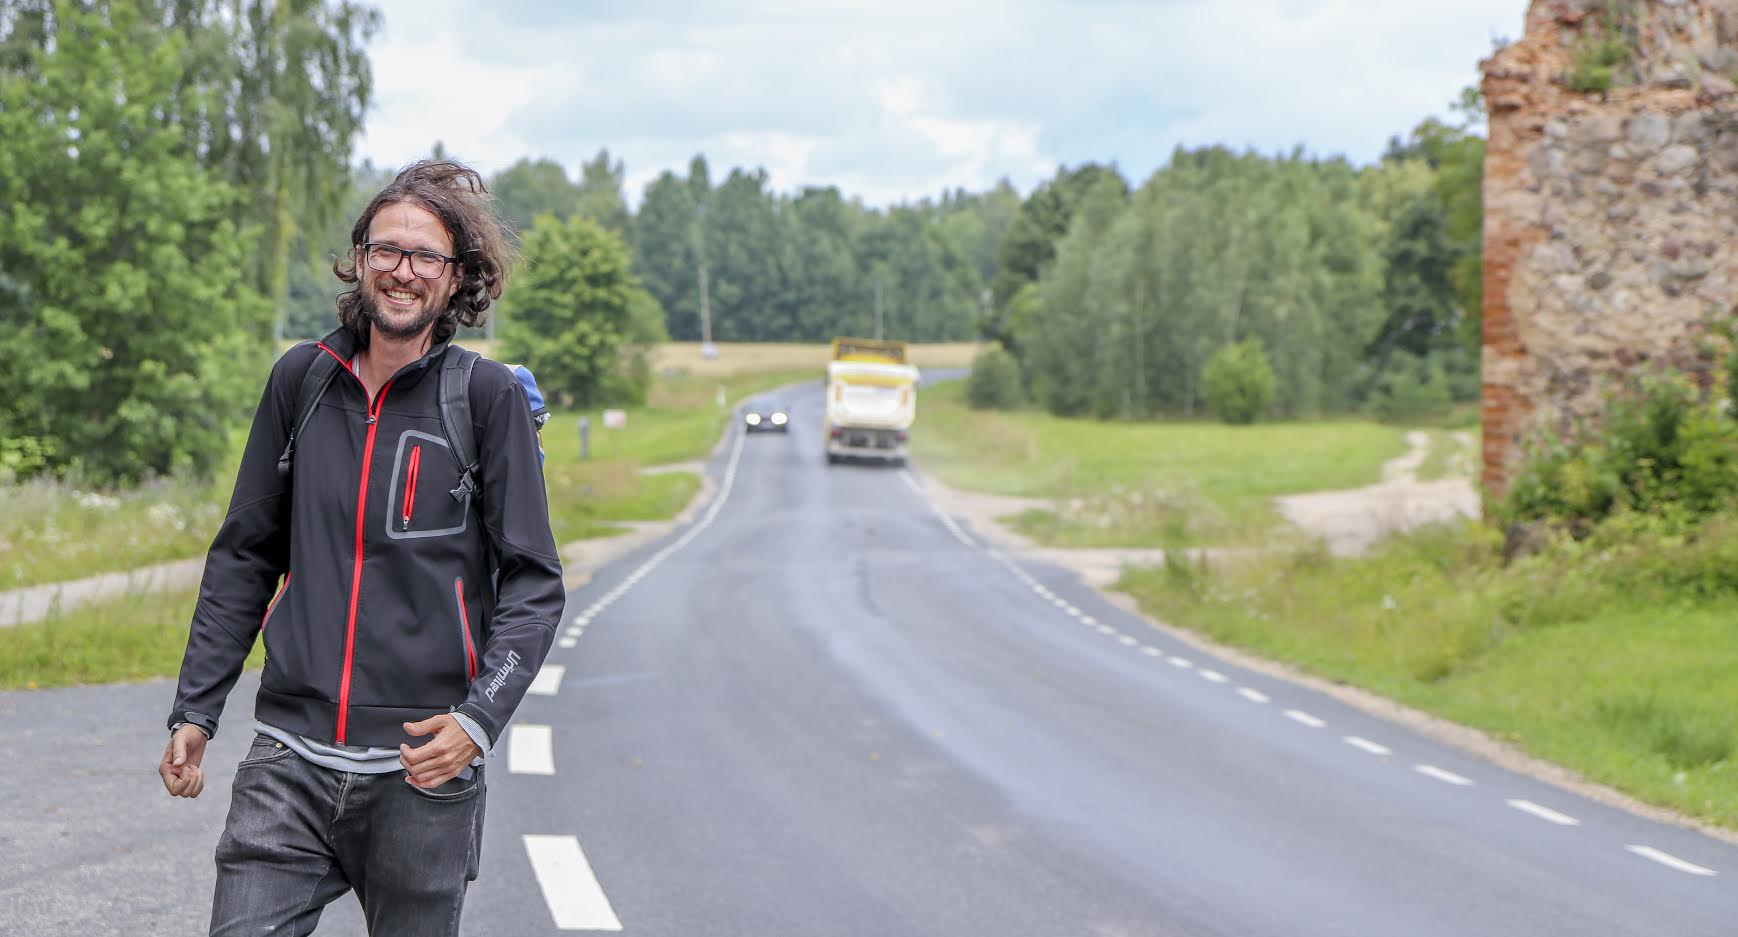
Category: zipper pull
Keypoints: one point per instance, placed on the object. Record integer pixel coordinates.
(370, 422)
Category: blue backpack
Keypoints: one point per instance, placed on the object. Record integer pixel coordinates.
(539, 409)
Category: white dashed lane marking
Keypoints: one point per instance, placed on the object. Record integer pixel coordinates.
(530, 750)
(1299, 716)
(548, 680)
(1544, 813)
(570, 888)
(1670, 861)
(1367, 745)
(1447, 777)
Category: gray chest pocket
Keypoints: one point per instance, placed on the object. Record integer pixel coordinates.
(420, 502)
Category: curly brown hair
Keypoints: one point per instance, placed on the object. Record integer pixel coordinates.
(455, 194)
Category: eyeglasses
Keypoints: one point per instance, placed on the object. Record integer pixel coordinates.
(428, 265)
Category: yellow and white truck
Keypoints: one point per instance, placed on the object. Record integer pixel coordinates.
(871, 400)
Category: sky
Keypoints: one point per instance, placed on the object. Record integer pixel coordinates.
(897, 100)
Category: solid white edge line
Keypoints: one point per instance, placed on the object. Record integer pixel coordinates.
(530, 749)
(1671, 861)
(1544, 813)
(952, 527)
(570, 888)
(1367, 745)
(1299, 716)
(596, 608)
(1254, 696)
(548, 680)
(1447, 777)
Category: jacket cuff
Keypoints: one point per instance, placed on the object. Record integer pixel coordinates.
(474, 713)
(206, 724)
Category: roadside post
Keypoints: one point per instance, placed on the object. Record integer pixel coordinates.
(584, 438)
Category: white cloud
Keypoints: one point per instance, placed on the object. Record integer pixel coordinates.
(899, 100)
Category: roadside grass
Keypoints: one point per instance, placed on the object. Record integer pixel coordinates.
(748, 357)
(1143, 484)
(1612, 657)
(135, 638)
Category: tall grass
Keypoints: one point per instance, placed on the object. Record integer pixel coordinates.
(55, 531)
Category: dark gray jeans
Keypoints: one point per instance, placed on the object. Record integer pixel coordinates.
(299, 836)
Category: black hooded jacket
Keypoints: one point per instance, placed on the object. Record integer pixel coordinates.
(401, 599)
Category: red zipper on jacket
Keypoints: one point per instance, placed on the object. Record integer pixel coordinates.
(410, 483)
(282, 588)
(356, 567)
(465, 623)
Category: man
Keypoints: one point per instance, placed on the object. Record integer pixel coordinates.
(417, 602)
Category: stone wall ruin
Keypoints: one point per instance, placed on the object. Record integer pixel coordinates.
(1611, 218)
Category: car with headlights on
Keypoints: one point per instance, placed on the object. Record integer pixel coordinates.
(766, 414)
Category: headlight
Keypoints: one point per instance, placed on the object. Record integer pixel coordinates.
(779, 419)
(753, 419)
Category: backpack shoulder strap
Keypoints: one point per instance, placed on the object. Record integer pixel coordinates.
(314, 383)
(455, 397)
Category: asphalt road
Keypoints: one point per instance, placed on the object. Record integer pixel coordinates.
(824, 709)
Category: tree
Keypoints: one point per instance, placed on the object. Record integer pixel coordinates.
(271, 97)
(569, 312)
(664, 253)
(133, 337)
(529, 188)
(1239, 383)
(1418, 293)
(740, 243)
(1030, 244)
(600, 195)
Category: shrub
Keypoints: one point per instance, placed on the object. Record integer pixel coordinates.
(995, 382)
(1660, 450)
(1239, 382)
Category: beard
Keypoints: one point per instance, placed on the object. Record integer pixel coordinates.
(400, 326)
